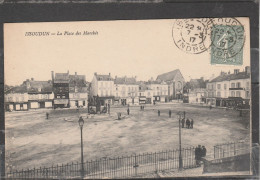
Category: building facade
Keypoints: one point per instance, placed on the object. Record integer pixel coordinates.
(159, 91)
(61, 90)
(175, 82)
(101, 89)
(126, 90)
(16, 99)
(78, 91)
(230, 90)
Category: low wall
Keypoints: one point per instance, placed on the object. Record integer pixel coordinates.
(227, 164)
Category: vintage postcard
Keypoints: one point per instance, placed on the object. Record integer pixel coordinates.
(128, 98)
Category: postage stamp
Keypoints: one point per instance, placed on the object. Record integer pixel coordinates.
(227, 41)
(192, 36)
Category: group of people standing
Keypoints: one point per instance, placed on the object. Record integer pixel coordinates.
(189, 123)
(200, 151)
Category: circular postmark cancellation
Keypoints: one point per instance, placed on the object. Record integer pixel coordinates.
(227, 41)
(192, 35)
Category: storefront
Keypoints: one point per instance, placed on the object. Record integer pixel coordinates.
(142, 100)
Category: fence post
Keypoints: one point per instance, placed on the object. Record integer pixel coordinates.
(234, 148)
(135, 166)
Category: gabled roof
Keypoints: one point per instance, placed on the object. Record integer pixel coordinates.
(17, 89)
(228, 77)
(39, 87)
(61, 78)
(168, 76)
(103, 77)
(197, 83)
(77, 80)
(125, 80)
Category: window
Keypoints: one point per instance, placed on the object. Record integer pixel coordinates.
(238, 85)
(247, 85)
(58, 97)
(101, 92)
(232, 93)
(225, 86)
(101, 84)
(140, 94)
(238, 94)
(233, 85)
(247, 94)
(148, 93)
(218, 94)
(106, 93)
(219, 86)
(116, 94)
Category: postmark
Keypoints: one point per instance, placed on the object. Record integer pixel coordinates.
(192, 36)
(227, 41)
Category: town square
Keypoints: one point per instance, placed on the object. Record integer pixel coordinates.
(125, 102)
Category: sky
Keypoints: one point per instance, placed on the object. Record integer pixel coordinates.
(142, 48)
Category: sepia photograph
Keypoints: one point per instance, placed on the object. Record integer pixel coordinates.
(127, 99)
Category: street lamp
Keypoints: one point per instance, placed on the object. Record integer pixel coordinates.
(181, 116)
(81, 123)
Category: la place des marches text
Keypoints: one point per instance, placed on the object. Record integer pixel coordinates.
(61, 33)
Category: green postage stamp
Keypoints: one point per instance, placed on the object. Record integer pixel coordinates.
(227, 42)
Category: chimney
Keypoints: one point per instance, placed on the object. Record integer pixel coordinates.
(247, 69)
(52, 76)
(32, 79)
(115, 77)
(95, 73)
(76, 73)
(228, 72)
(109, 74)
(236, 71)
(68, 72)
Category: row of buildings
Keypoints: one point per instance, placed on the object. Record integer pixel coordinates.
(72, 91)
(63, 91)
(226, 90)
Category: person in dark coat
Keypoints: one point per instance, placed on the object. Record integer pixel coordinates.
(159, 112)
(170, 113)
(182, 123)
(198, 153)
(140, 107)
(191, 124)
(188, 123)
(203, 151)
(128, 111)
(47, 115)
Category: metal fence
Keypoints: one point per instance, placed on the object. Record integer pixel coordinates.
(119, 167)
(231, 149)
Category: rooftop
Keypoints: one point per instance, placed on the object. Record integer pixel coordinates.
(167, 76)
(125, 80)
(228, 77)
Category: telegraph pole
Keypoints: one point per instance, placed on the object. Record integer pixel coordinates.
(180, 155)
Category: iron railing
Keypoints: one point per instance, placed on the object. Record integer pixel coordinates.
(231, 149)
(119, 167)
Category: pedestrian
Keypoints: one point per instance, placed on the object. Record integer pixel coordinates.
(191, 124)
(128, 111)
(140, 107)
(159, 112)
(143, 108)
(182, 122)
(188, 124)
(47, 115)
(210, 107)
(204, 151)
(170, 113)
(197, 156)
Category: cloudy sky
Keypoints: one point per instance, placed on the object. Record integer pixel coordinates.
(142, 48)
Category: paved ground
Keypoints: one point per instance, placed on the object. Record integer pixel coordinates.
(31, 140)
